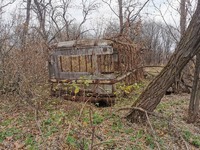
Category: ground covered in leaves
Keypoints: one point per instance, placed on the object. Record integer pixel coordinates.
(44, 122)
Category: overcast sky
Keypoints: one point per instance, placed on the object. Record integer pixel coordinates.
(168, 8)
(149, 12)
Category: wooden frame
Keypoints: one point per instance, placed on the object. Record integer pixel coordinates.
(102, 62)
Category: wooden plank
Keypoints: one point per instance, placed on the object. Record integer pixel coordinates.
(94, 79)
(79, 64)
(56, 67)
(91, 64)
(84, 43)
(89, 51)
(51, 70)
(86, 75)
(86, 68)
(71, 67)
(78, 81)
(120, 78)
(73, 75)
(61, 64)
(95, 64)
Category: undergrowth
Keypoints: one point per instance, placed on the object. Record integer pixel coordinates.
(61, 124)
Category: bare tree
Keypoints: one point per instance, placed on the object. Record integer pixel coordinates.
(26, 23)
(61, 21)
(195, 95)
(99, 28)
(127, 13)
(87, 8)
(121, 22)
(157, 42)
(187, 48)
(41, 9)
(7, 45)
(111, 29)
(5, 3)
(183, 15)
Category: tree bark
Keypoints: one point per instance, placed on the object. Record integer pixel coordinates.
(183, 15)
(195, 95)
(26, 24)
(120, 16)
(187, 48)
(41, 11)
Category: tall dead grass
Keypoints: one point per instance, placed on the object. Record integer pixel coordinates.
(23, 70)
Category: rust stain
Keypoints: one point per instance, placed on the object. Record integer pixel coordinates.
(101, 63)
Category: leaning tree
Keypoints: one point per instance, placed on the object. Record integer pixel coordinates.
(187, 48)
(195, 95)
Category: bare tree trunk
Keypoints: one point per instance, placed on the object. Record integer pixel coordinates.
(187, 48)
(183, 15)
(120, 16)
(195, 95)
(41, 11)
(26, 24)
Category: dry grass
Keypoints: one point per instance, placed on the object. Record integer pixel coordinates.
(44, 122)
(153, 71)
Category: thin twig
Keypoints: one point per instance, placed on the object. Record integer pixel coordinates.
(165, 21)
(105, 142)
(93, 128)
(148, 120)
(174, 127)
(69, 128)
(92, 141)
(153, 131)
(137, 14)
(81, 111)
(39, 128)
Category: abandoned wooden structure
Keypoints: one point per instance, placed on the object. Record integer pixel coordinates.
(88, 70)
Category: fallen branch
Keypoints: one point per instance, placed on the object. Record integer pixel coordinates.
(153, 131)
(105, 142)
(148, 120)
(173, 127)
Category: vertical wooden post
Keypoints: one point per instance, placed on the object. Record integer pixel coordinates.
(79, 64)
(71, 68)
(61, 63)
(95, 63)
(56, 66)
(86, 69)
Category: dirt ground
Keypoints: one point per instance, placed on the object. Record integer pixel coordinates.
(44, 122)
